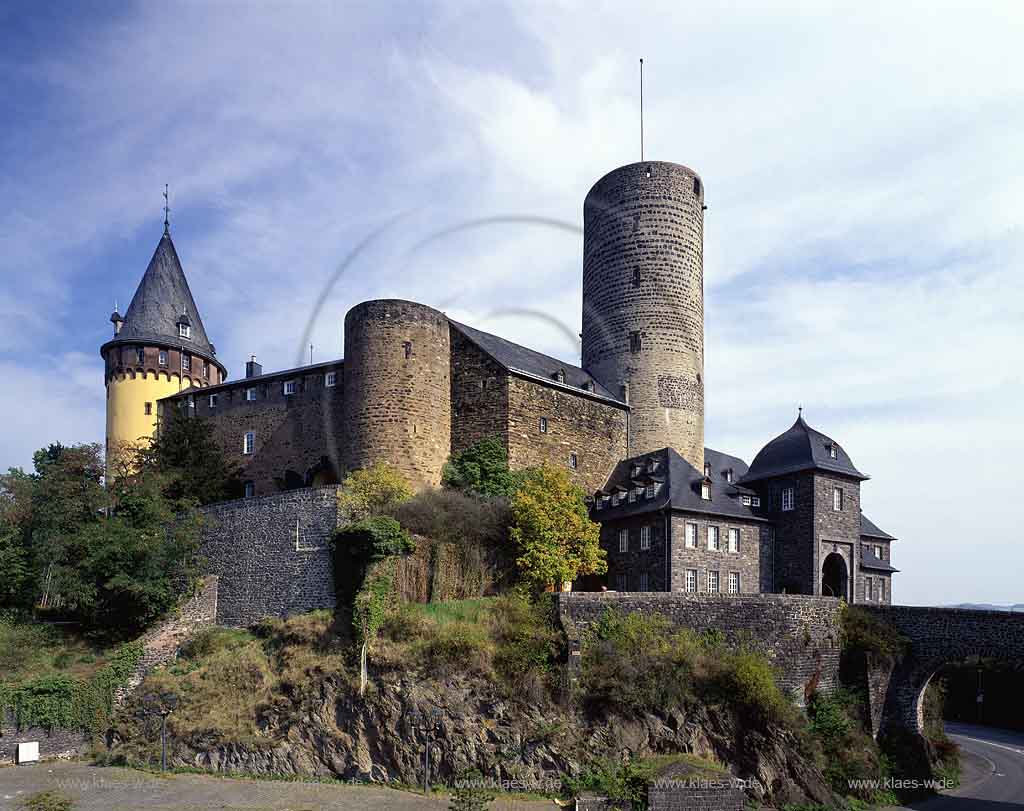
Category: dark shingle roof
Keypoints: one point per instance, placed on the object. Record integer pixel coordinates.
(800, 448)
(161, 299)
(869, 561)
(868, 529)
(519, 359)
(682, 486)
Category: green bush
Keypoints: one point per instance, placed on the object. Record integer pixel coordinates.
(46, 801)
(482, 469)
(862, 631)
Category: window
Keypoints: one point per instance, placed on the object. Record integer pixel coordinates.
(747, 501)
(734, 582)
(728, 475)
(632, 494)
(636, 277)
(623, 540)
(787, 499)
(691, 536)
(599, 504)
(573, 461)
(837, 498)
(650, 490)
(559, 376)
(407, 349)
(714, 542)
(191, 401)
(691, 580)
(250, 394)
(149, 409)
(713, 578)
(696, 187)
(331, 379)
(250, 489)
(289, 387)
(881, 590)
(620, 582)
(707, 470)
(213, 401)
(140, 355)
(635, 470)
(645, 540)
(184, 331)
(635, 344)
(734, 539)
(162, 358)
(878, 553)
(186, 363)
(642, 582)
(705, 491)
(249, 443)
(543, 425)
(206, 370)
(869, 592)
(755, 501)
(832, 452)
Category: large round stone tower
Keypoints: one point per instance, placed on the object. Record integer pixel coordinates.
(643, 301)
(398, 389)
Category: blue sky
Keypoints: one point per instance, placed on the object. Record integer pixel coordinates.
(863, 240)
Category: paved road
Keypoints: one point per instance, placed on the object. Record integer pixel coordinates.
(112, 789)
(993, 774)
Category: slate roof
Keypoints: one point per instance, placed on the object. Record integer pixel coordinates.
(681, 487)
(800, 448)
(869, 561)
(868, 529)
(161, 299)
(519, 359)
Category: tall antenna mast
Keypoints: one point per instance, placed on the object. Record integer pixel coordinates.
(641, 110)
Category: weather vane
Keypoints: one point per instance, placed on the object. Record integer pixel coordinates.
(167, 212)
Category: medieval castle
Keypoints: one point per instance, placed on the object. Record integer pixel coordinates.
(415, 387)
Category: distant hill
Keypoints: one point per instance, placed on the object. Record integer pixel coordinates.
(989, 606)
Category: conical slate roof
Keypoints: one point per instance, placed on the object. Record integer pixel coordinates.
(159, 302)
(800, 448)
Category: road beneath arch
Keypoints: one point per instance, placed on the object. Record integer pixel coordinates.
(993, 775)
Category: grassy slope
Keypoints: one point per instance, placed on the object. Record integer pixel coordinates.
(31, 650)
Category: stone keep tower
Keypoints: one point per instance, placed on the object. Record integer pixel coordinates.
(159, 348)
(643, 301)
(398, 406)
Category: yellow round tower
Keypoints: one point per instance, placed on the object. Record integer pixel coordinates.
(158, 348)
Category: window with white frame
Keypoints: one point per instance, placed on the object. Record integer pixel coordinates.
(691, 580)
(186, 363)
(755, 501)
(878, 553)
(250, 489)
(574, 461)
(184, 331)
(543, 425)
(714, 541)
(832, 452)
(734, 539)
(620, 582)
(206, 370)
(837, 498)
(632, 494)
(645, 537)
(787, 499)
(635, 470)
(642, 581)
(249, 443)
(599, 503)
(746, 501)
(705, 491)
(869, 591)
(213, 401)
(728, 475)
(734, 582)
(289, 387)
(623, 540)
(691, 536)
(713, 582)
(162, 358)
(250, 394)
(331, 379)
(650, 490)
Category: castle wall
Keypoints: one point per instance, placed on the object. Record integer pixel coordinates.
(271, 555)
(299, 437)
(398, 389)
(837, 531)
(753, 561)
(643, 282)
(799, 635)
(636, 561)
(795, 556)
(593, 430)
(479, 395)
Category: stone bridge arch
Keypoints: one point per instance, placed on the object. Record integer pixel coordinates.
(938, 637)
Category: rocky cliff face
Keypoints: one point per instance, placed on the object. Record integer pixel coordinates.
(339, 734)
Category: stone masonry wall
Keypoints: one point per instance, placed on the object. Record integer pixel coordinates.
(592, 429)
(753, 561)
(700, 798)
(794, 555)
(272, 554)
(56, 743)
(799, 634)
(837, 531)
(625, 568)
(479, 395)
(643, 280)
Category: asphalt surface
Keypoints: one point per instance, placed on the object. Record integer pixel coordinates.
(993, 771)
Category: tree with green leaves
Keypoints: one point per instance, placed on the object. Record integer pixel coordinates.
(372, 491)
(556, 542)
(483, 469)
(190, 460)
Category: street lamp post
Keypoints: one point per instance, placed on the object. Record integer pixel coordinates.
(429, 722)
(161, 705)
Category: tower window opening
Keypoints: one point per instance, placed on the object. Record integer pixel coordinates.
(407, 349)
(705, 491)
(206, 370)
(636, 277)
(162, 358)
(249, 442)
(696, 187)
(832, 452)
(140, 355)
(573, 461)
(186, 363)
(184, 331)
(289, 387)
(331, 379)
(149, 409)
(635, 343)
(543, 425)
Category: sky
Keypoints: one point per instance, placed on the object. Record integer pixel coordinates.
(863, 241)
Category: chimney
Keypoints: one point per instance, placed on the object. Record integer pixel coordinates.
(252, 368)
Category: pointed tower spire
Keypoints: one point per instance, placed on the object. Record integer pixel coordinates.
(167, 213)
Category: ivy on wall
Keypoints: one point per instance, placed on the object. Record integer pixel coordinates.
(61, 702)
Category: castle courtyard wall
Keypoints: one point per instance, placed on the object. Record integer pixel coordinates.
(479, 395)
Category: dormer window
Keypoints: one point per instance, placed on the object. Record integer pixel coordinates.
(289, 387)
(705, 491)
(747, 501)
(833, 452)
(184, 330)
(632, 495)
(634, 471)
(650, 490)
(560, 376)
(587, 386)
(728, 475)
(707, 470)
(599, 503)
